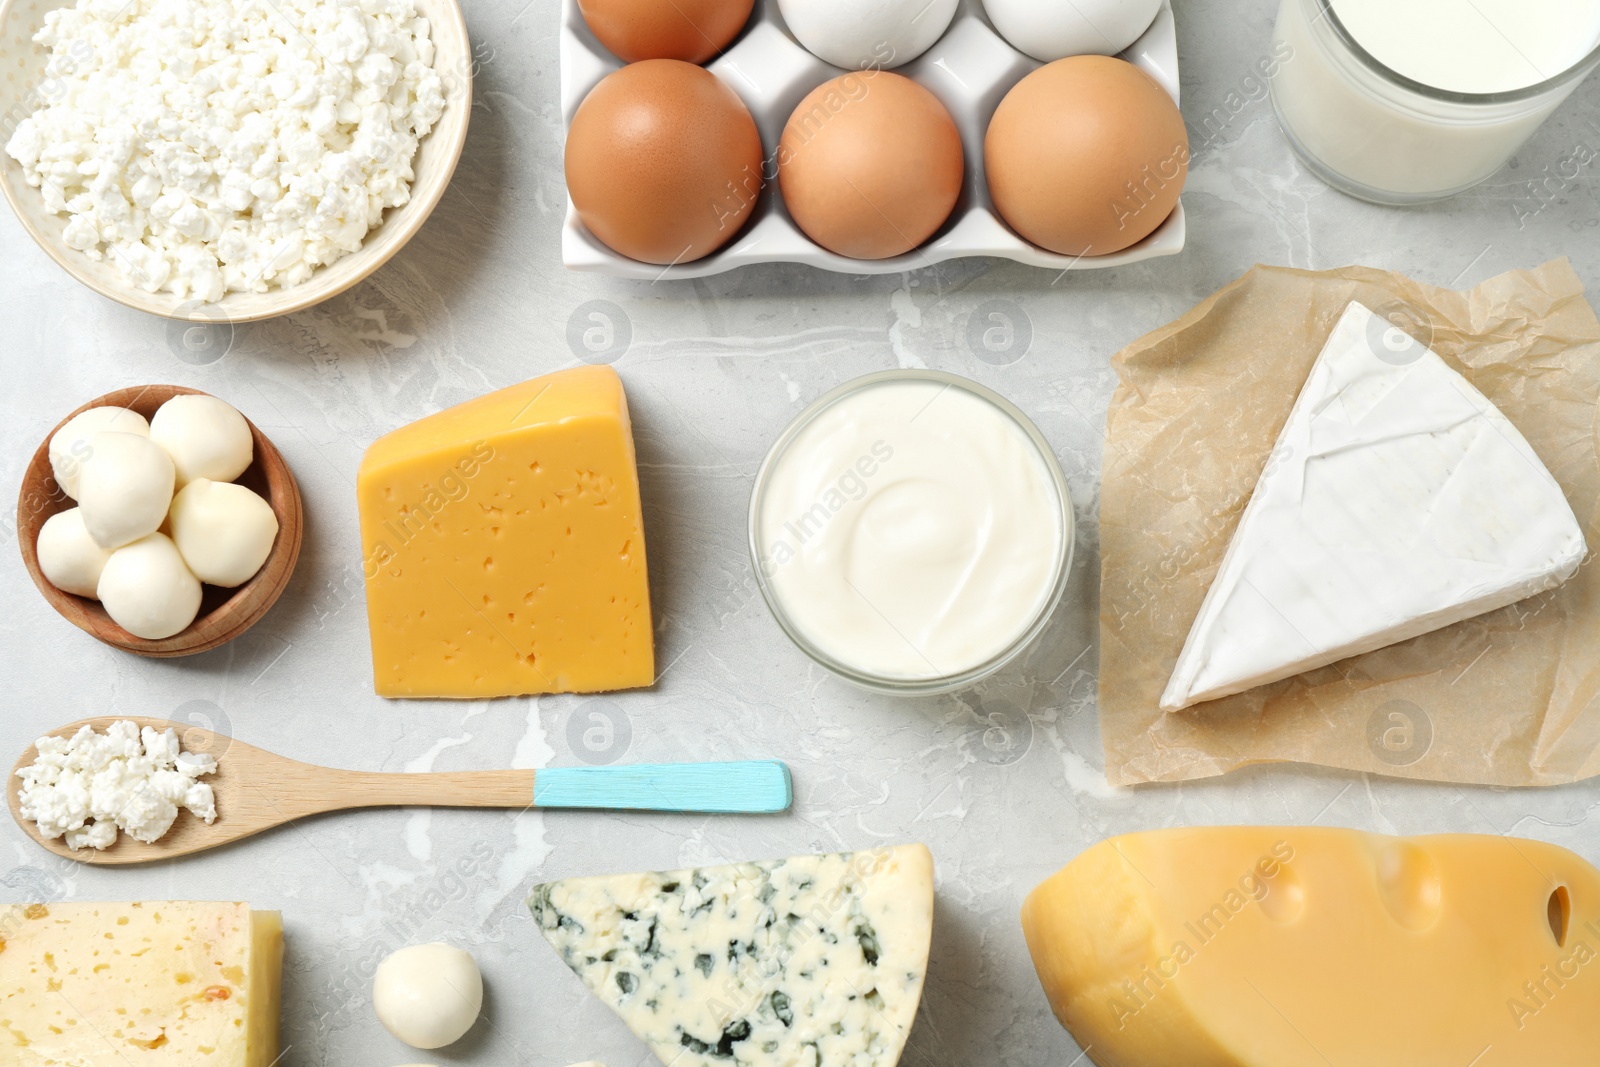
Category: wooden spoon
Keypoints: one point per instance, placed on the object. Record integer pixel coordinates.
(257, 790)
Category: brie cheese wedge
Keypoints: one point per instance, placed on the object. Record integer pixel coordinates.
(1397, 501)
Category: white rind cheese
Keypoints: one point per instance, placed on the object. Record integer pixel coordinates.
(1397, 501)
(814, 961)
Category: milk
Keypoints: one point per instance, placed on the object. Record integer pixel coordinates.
(1371, 134)
(1474, 46)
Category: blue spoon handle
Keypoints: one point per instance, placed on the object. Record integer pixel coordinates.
(751, 787)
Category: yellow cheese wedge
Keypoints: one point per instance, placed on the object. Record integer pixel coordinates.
(157, 984)
(504, 545)
(1311, 947)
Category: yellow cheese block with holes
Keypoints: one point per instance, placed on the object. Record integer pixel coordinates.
(503, 544)
(155, 984)
(1311, 947)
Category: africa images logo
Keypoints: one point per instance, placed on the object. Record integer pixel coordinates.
(849, 486)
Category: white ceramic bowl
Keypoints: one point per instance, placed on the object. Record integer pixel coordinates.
(22, 66)
(970, 69)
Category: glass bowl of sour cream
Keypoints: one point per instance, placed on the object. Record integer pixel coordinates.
(911, 532)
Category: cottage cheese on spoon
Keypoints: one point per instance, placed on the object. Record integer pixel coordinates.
(86, 787)
(212, 146)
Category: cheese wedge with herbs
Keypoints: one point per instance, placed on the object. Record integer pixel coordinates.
(503, 543)
(1263, 946)
(1398, 500)
(152, 984)
(812, 961)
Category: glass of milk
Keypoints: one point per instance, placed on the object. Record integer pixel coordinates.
(1406, 101)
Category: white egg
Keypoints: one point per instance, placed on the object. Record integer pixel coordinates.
(124, 487)
(428, 995)
(206, 437)
(1054, 29)
(147, 590)
(69, 446)
(867, 34)
(223, 531)
(68, 556)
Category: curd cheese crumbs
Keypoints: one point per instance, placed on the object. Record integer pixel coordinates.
(86, 787)
(211, 146)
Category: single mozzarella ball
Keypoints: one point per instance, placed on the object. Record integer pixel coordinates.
(867, 34)
(68, 556)
(147, 590)
(206, 437)
(124, 487)
(1055, 30)
(224, 531)
(428, 995)
(69, 446)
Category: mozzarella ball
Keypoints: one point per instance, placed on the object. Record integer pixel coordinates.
(223, 531)
(69, 446)
(206, 437)
(147, 590)
(68, 556)
(428, 995)
(124, 488)
(867, 34)
(1051, 31)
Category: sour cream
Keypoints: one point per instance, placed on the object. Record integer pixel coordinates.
(911, 528)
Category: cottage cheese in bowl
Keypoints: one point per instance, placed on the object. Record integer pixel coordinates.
(204, 147)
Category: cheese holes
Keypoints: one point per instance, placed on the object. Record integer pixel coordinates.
(1558, 909)
(1285, 898)
(1408, 884)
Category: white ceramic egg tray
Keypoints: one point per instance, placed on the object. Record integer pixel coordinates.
(970, 69)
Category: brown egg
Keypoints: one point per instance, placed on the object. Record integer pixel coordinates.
(663, 161)
(870, 165)
(1086, 156)
(690, 30)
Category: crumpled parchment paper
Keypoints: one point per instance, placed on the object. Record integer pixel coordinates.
(1508, 698)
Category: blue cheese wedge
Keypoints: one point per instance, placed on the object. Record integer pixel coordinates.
(1397, 501)
(814, 961)
(153, 984)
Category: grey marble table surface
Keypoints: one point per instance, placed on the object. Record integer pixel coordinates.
(1004, 784)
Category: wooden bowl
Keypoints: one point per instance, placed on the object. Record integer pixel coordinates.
(22, 71)
(224, 613)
